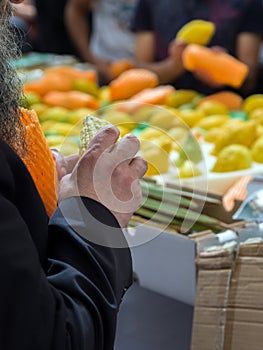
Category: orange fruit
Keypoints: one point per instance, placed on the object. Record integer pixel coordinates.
(70, 99)
(221, 66)
(230, 99)
(120, 66)
(155, 96)
(131, 82)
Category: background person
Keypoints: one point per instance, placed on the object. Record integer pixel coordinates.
(23, 21)
(107, 38)
(52, 35)
(239, 30)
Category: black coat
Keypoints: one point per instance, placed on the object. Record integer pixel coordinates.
(58, 290)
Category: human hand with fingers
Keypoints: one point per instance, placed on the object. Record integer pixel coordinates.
(64, 165)
(176, 49)
(108, 172)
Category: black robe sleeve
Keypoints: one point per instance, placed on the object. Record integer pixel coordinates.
(68, 298)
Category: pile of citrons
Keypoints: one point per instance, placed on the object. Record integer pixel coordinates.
(173, 125)
(160, 115)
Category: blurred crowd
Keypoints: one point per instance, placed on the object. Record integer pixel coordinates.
(143, 31)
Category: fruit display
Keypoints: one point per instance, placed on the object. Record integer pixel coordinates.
(183, 134)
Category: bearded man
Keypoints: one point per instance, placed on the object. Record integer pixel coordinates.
(62, 278)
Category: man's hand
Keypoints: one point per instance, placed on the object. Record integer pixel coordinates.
(175, 50)
(103, 70)
(109, 173)
(64, 165)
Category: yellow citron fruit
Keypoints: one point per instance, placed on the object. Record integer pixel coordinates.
(179, 97)
(142, 113)
(87, 86)
(73, 130)
(213, 107)
(119, 119)
(47, 125)
(163, 141)
(104, 94)
(178, 133)
(233, 157)
(163, 119)
(257, 150)
(212, 121)
(54, 113)
(39, 108)
(78, 115)
(123, 130)
(68, 148)
(158, 160)
(150, 133)
(214, 134)
(62, 128)
(191, 117)
(197, 31)
(257, 115)
(55, 140)
(189, 169)
(252, 102)
(241, 133)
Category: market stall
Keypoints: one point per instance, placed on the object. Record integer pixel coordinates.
(202, 152)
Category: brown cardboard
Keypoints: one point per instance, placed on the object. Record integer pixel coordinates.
(230, 318)
(208, 331)
(210, 313)
(244, 329)
(247, 283)
(212, 288)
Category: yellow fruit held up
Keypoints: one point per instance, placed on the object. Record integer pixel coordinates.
(197, 31)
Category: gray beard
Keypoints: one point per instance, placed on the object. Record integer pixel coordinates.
(11, 130)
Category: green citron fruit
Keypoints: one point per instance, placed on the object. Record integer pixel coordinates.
(54, 113)
(29, 98)
(78, 115)
(189, 169)
(39, 108)
(180, 97)
(197, 31)
(189, 151)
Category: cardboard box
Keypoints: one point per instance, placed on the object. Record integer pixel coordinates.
(165, 262)
(228, 311)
